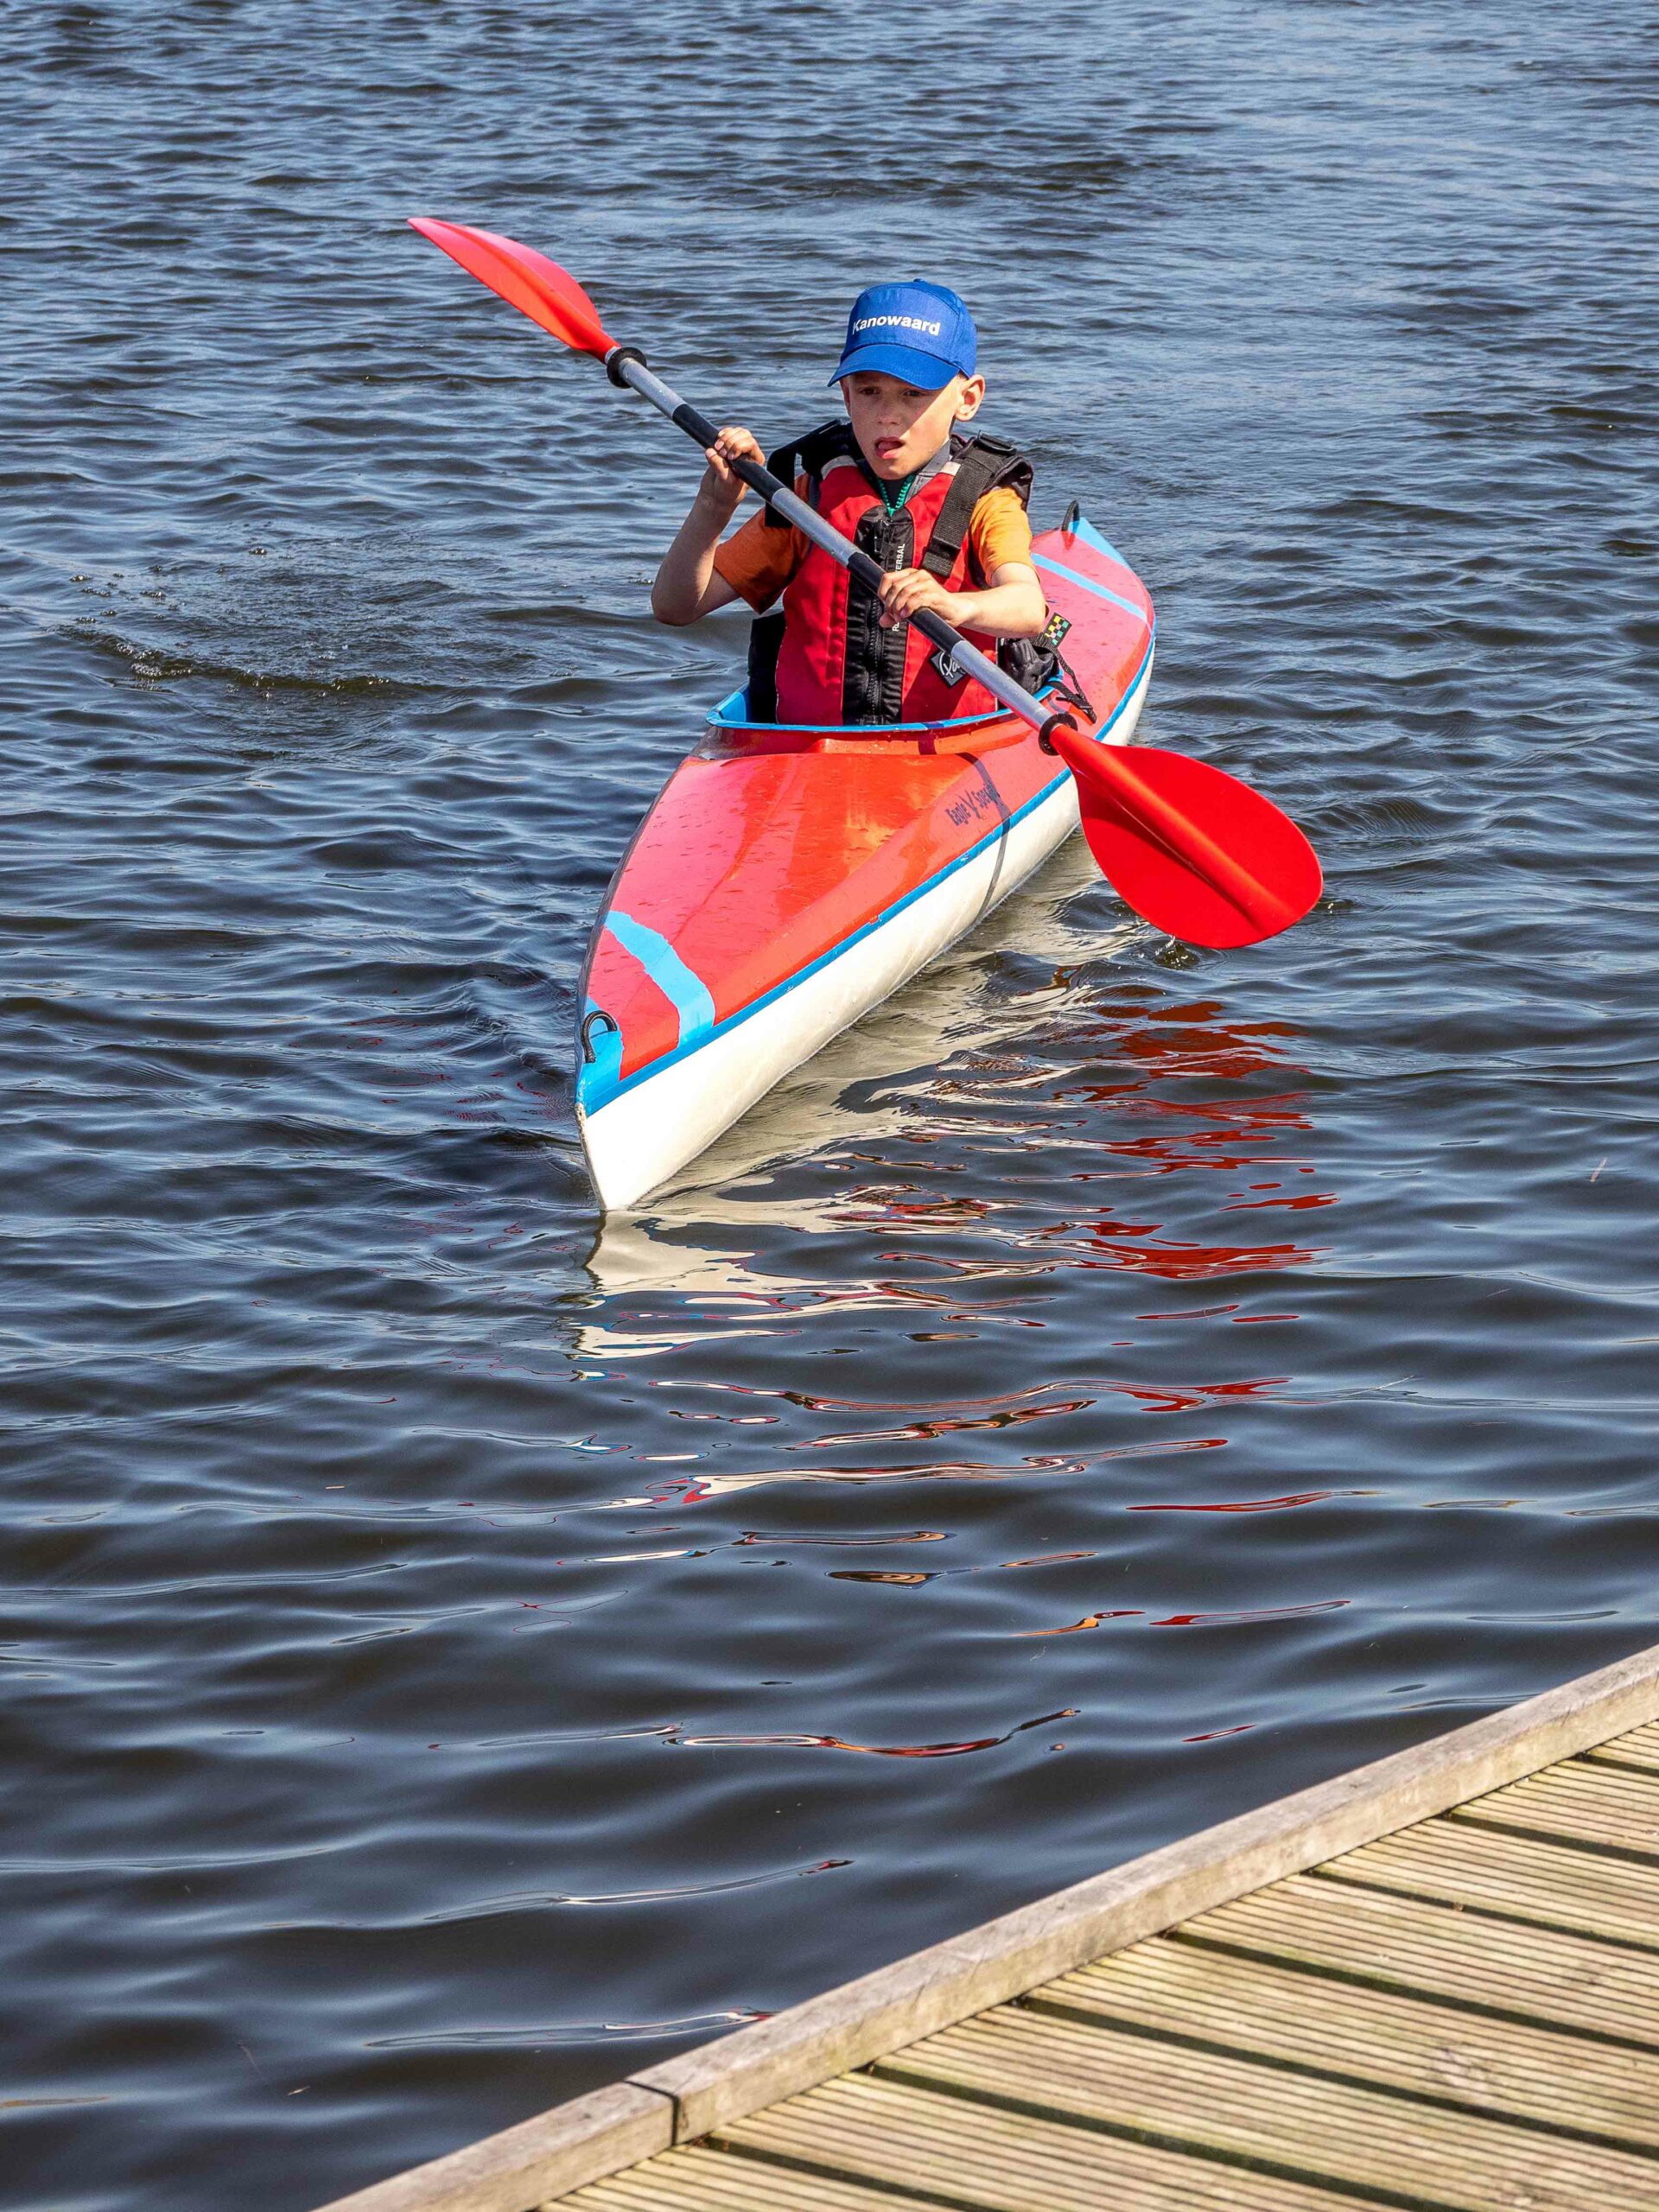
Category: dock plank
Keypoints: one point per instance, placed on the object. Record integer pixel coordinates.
(696, 2178)
(1604, 1806)
(1519, 1877)
(1317, 2130)
(960, 2151)
(1380, 2038)
(1409, 1943)
(1639, 1748)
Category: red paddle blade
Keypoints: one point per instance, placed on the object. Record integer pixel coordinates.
(535, 285)
(1191, 848)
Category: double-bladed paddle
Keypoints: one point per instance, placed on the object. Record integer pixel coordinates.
(1190, 848)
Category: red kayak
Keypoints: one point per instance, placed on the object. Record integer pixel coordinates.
(787, 880)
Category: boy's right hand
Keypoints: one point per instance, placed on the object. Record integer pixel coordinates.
(720, 489)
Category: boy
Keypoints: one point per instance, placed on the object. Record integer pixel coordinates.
(944, 514)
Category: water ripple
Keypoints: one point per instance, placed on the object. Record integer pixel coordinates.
(1115, 1384)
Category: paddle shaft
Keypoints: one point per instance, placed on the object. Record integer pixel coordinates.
(1171, 827)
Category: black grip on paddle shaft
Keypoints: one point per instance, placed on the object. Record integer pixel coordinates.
(707, 434)
(932, 626)
(868, 572)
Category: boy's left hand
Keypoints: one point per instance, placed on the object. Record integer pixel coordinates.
(908, 591)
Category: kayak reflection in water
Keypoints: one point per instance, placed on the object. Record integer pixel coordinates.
(942, 511)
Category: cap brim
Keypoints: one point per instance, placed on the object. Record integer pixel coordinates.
(927, 372)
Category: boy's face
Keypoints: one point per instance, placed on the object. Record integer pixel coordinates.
(898, 425)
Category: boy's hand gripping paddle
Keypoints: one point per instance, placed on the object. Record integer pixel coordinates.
(1169, 833)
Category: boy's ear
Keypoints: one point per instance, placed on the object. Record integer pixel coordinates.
(969, 398)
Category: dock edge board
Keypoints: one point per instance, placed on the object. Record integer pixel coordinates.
(561, 2150)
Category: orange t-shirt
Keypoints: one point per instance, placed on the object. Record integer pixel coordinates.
(760, 560)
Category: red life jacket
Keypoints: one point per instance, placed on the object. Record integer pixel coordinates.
(826, 660)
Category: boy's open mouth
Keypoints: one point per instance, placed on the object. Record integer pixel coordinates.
(885, 448)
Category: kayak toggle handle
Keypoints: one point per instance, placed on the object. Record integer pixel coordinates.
(588, 1055)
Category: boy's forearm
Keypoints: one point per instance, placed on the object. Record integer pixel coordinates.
(676, 596)
(1002, 611)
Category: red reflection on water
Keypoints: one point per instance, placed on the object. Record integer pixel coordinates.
(1005, 1410)
(1300, 1203)
(1135, 1250)
(882, 1751)
(1088, 1620)
(1189, 1620)
(1261, 1613)
(1178, 1398)
(1160, 1056)
(1251, 1504)
(1188, 1040)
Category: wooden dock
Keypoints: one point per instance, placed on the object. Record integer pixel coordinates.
(1431, 1984)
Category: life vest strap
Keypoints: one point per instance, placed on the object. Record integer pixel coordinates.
(983, 464)
(765, 642)
(809, 456)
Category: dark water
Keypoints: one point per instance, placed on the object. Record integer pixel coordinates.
(406, 1724)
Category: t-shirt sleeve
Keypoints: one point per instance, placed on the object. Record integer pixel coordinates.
(1001, 530)
(760, 560)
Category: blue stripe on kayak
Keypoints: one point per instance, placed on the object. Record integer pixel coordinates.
(757, 1006)
(1076, 576)
(1085, 529)
(685, 991)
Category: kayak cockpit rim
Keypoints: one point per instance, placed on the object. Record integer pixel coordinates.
(733, 714)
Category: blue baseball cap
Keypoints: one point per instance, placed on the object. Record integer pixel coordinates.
(917, 331)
